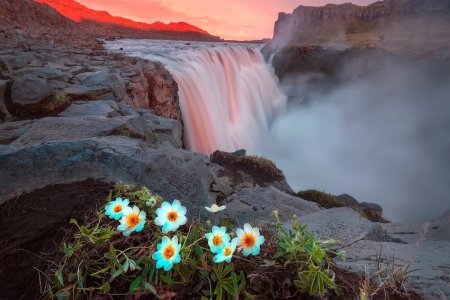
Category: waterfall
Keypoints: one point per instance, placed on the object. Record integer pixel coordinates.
(228, 95)
(231, 109)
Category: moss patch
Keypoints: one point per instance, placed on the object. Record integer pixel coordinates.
(321, 198)
(125, 131)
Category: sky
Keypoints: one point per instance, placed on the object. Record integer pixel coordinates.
(229, 19)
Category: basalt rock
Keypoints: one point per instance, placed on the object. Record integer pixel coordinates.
(30, 89)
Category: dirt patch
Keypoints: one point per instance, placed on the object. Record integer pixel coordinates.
(32, 227)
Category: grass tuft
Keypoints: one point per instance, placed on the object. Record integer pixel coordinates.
(321, 198)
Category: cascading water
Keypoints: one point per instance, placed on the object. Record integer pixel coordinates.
(228, 95)
(372, 137)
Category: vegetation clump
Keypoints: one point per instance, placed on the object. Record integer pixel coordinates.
(139, 245)
(259, 164)
(89, 95)
(125, 131)
(323, 199)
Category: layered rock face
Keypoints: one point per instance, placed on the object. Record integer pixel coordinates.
(288, 28)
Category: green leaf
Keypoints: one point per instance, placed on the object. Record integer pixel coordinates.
(60, 278)
(117, 273)
(167, 279)
(227, 270)
(218, 291)
(150, 288)
(327, 280)
(198, 250)
(135, 284)
(314, 286)
(126, 265)
(228, 288)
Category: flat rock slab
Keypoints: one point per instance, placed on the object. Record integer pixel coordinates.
(257, 204)
(111, 81)
(431, 257)
(438, 229)
(169, 129)
(172, 173)
(91, 108)
(343, 224)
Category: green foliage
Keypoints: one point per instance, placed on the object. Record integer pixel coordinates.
(99, 261)
(321, 198)
(301, 248)
(58, 100)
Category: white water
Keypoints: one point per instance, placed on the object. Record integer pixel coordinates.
(228, 95)
(376, 139)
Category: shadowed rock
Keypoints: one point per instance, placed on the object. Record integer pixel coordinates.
(30, 89)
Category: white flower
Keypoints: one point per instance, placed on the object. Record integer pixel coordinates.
(215, 208)
(151, 202)
(133, 220)
(115, 208)
(170, 216)
(168, 253)
(249, 240)
(226, 253)
(217, 239)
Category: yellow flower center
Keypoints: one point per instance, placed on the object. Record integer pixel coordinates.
(117, 208)
(172, 216)
(248, 240)
(217, 240)
(226, 251)
(132, 220)
(169, 251)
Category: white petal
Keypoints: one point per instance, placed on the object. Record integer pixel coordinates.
(208, 209)
(181, 210)
(239, 232)
(176, 204)
(247, 227)
(181, 220)
(166, 207)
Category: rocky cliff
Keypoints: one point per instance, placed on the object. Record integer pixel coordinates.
(293, 28)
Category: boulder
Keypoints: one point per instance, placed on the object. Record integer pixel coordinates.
(112, 83)
(260, 171)
(29, 89)
(257, 204)
(166, 129)
(169, 172)
(347, 199)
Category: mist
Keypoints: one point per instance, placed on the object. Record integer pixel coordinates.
(380, 133)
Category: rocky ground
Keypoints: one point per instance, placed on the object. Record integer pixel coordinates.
(75, 116)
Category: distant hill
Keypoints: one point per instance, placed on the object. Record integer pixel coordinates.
(406, 27)
(79, 13)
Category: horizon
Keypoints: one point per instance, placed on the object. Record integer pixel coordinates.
(240, 21)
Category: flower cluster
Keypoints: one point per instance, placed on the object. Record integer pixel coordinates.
(170, 217)
(248, 241)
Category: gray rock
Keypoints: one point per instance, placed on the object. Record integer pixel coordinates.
(112, 82)
(10, 131)
(48, 130)
(172, 173)
(79, 70)
(347, 199)
(58, 85)
(343, 224)
(168, 129)
(91, 108)
(30, 89)
(78, 91)
(432, 258)
(43, 72)
(257, 204)
(438, 229)
(127, 110)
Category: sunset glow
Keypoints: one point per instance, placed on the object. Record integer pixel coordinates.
(232, 19)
